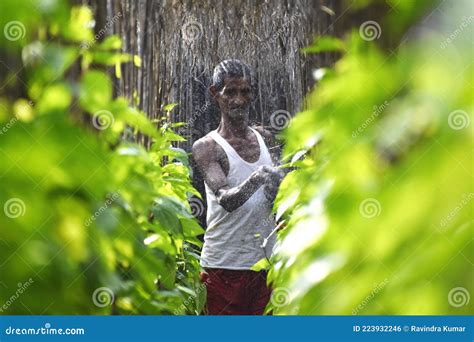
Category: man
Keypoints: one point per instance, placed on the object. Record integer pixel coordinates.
(241, 184)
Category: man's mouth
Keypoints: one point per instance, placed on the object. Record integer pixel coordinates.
(238, 112)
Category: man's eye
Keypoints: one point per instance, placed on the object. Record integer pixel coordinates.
(230, 92)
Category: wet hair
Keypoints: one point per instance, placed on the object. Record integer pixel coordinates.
(232, 68)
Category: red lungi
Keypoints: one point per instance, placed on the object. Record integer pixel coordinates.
(235, 292)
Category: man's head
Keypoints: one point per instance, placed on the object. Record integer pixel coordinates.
(232, 88)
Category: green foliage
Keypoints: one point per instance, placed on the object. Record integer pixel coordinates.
(325, 43)
(379, 213)
(91, 223)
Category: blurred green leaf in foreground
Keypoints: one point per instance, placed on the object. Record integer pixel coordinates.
(92, 222)
(380, 211)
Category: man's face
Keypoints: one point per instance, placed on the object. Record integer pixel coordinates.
(235, 97)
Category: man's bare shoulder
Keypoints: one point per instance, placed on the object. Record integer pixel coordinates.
(267, 135)
(205, 149)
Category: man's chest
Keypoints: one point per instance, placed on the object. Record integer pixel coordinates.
(247, 149)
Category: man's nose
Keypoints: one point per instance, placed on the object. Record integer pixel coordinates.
(239, 100)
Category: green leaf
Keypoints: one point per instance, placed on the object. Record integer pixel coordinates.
(325, 44)
(113, 42)
(137, 61)
(169, 107)
(191, 230)
(135, 118)
(79, 28)
(167, 210)
(95, 91)
(262, 264)
(178, 154)
(48, 64)
(110, 58)
(171, 136)
(56, 97)
(160, 240)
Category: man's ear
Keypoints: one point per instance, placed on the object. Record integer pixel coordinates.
(213, 91)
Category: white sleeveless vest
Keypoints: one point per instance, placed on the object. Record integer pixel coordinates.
(233, 239)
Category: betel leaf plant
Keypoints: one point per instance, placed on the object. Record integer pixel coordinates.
(91, 223)
(379, 212)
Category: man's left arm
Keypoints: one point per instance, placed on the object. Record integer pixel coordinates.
(273, 183)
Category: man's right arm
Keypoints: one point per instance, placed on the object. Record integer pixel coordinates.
(230, 198)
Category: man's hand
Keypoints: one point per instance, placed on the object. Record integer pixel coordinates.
(272, 181)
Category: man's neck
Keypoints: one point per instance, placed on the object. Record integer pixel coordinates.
(233, 128)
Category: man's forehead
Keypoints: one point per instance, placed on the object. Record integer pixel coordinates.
(230, 81)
